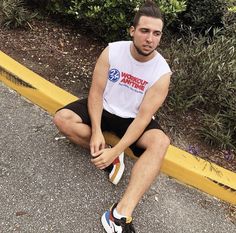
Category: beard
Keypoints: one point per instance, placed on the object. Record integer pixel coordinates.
(140, 52)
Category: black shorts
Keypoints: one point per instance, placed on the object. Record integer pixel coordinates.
(110, 122)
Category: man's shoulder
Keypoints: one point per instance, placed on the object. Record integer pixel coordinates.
(120, 48)
(161, 59)
(119, 43)
(160, 56)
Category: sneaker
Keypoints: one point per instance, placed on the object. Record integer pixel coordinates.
(114, 225)
(117, 170)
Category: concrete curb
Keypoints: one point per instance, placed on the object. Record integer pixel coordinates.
(179, 164)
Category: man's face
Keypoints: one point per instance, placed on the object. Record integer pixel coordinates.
(146, 35)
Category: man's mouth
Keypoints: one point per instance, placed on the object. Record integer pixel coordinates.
(147, 47)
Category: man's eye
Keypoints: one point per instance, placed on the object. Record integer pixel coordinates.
(157, 33)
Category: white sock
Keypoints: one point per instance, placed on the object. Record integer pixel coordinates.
(117, 215)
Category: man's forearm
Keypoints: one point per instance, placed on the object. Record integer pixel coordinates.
(133, 132)
(95, 108)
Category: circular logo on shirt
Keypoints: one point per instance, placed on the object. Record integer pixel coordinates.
(114, 75)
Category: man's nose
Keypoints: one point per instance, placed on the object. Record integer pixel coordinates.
(149, 37)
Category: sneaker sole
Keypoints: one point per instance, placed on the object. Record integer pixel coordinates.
(106, 226)
(118, 172)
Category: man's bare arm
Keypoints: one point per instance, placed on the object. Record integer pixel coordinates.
(95, 101)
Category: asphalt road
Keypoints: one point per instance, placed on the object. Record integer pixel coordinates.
(48, 184)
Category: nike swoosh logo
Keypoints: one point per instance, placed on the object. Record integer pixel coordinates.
(113, 228)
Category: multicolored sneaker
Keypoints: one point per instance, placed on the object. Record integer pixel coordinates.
(114, 225)
(117, 170)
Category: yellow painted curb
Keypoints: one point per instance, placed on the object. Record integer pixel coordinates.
(32, 86)
(179, 164)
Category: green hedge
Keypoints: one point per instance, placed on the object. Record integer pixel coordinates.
(204, 79)
(202, 15)
(108, 19)
(14, 14)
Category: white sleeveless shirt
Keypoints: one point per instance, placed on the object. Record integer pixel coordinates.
(128, 79)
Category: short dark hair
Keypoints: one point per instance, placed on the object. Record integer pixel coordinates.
(150, 9)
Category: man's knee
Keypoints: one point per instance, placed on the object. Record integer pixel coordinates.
(165, 140)
(157, 141)
(58, 118)
(61, 118)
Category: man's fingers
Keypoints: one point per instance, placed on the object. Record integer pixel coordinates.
(94, 149)
(97, 147)
(103, 146)
(99, 163)
(97, 153)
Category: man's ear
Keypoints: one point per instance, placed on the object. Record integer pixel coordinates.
(131, 31)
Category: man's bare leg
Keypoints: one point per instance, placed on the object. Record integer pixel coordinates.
(70, 124)
(145, 170)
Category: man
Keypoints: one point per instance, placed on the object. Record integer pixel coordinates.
(130, 83)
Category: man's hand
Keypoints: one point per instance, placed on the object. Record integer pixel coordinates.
(97, 143)
(104, 158)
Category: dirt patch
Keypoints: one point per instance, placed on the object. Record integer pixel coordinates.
(66, 57)
(59, 54)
